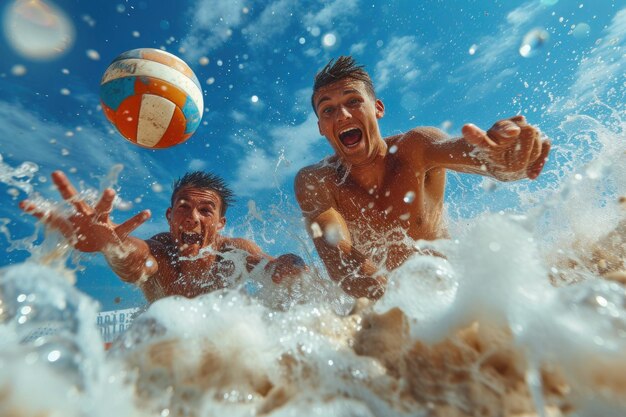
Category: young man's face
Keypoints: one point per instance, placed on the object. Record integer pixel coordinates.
(195, 219)
(348, 117)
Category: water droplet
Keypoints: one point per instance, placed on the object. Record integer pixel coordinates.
(136, 34)
(120, 8)
(302, 41)
(315, 31)
(329, 40)
(93, 54)
(157, 188)
(18, 70)
(316, 230)
(38, 29)
(210, 80)
(65, 92)
(581, 30)
(495, 247)
(54, 356)
(254, 99)
(409, 197)
(393, 149)
(549, 2)
(332, 234)
(472, 49)
(203, 61)
(532, 41)
(446, 125)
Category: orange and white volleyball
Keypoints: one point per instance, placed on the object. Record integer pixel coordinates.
(37, 29)
(152, 97)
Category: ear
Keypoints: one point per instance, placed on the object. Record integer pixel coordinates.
(380, 109)
(319, 127)
(168, 214)
(221, 223)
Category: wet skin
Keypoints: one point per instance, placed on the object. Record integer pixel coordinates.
(188, 260)
(379, 194)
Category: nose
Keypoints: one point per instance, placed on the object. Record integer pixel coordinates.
(193, 219)
(343, 113)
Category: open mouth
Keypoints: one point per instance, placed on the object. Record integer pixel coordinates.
(350, 137)
(191, 238)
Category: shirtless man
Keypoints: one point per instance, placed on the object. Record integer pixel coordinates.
(189, 260)
(367, 204)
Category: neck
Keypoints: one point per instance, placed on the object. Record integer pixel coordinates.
(203, 260)
(371, 173)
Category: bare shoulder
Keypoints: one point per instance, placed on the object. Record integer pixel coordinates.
(424, 135)
(315, 184)
(316, 175)
(418, 142)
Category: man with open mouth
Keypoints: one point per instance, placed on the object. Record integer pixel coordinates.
(366, 205)
(193, 258)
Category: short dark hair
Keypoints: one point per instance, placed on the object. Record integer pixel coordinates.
(208, 181)
(335, 70)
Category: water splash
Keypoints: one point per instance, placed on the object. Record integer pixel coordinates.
(521, 316)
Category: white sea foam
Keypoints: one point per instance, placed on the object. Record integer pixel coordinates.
(525, 314)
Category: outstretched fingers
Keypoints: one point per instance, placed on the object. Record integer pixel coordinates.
(68, 192)
(49, 217)
(476, 136)
(124, 229)
(31, 208)
(104, 206)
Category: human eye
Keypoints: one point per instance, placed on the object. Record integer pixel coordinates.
(206, 211)
(353, 101)
(328, 110)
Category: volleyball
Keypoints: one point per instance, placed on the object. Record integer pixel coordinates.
(152, 98)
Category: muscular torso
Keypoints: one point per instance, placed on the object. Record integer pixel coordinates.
(190, 278)
(385, 221)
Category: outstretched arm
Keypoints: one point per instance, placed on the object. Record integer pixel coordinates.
(511, 150)
(356, 274)
(281, 268)
(90, 229)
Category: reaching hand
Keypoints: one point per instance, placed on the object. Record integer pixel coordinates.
(511, 146)
(89, 229)
(286, 266)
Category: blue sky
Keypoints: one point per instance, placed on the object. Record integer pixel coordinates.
(439, 63)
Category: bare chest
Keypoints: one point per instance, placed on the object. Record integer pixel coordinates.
(406, 205)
